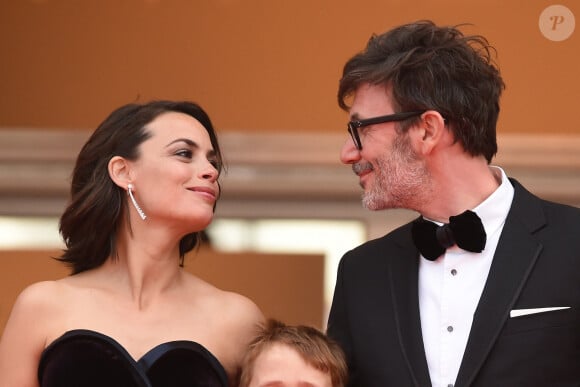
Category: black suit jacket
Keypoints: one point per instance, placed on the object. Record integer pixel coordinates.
(375, 310)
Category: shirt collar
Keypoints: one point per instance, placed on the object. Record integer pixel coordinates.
(493, 210)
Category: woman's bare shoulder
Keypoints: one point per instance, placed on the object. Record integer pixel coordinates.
(34, 314)
(242, 317)
(37, 306)
(230, 302)
(34, 309)
(242, 305)
(44, 297)
(39, 293)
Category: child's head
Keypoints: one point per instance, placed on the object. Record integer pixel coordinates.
(284, 356)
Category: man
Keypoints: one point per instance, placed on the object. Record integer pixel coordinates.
(443, 306)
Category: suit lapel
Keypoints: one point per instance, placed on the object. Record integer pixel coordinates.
(515, 256)
(403, 273)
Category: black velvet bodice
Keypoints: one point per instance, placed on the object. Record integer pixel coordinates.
(84, 358)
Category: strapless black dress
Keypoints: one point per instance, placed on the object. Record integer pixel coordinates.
(84, 358)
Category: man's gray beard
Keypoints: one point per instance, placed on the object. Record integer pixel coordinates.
(401, 180)
(372, 201)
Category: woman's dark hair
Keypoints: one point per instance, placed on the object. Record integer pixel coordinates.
(439, 68)
(90, 222)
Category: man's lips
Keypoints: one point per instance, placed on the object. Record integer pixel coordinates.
(361, 169)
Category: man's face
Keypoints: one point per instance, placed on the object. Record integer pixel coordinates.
(389, 170)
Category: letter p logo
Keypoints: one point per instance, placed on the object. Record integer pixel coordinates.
(557, 23)
(556, 20)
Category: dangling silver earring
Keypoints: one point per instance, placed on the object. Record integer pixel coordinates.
(139, 210)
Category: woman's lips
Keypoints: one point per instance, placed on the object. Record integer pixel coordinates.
(208, 192)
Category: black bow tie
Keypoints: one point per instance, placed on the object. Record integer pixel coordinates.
(465, 231)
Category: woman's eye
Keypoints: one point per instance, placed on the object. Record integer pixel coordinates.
(184, 153)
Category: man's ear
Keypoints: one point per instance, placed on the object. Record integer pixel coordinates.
(119, 171)
(430, 132)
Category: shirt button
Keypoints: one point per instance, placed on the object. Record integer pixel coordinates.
(453, 272)
(449, 328)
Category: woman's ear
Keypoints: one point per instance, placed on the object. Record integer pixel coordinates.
(119, 171)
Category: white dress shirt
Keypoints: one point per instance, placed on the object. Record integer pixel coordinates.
(451, 286)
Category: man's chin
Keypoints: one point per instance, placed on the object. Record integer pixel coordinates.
(372, 204)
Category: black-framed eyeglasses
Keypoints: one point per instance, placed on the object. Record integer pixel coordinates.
(353, 126)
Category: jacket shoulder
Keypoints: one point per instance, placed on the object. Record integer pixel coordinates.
(378, 248)
(537, 212)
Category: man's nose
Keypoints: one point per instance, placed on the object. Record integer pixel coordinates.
(349, 154)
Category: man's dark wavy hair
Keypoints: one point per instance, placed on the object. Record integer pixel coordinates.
(439, 68)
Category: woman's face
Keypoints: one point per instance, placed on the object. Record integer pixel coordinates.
(175, 176)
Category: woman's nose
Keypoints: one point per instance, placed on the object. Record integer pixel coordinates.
(210, 173)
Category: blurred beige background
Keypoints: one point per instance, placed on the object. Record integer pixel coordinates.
(266, 71)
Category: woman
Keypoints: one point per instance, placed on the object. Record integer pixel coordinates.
(144, 186)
